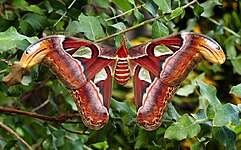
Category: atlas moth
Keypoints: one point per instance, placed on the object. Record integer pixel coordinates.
(157, 68)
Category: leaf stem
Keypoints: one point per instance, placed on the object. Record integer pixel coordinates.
(198, 121)
(64, 13)
(225, 28)
(42, 105)
(122, 14)
(16, 135)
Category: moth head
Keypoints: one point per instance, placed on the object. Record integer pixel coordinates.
(209, 48)
(37, 51)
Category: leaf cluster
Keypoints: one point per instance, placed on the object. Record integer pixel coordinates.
(204, 114)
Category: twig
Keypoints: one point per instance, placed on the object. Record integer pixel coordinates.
(225, 28)
(13, 55)
(122, 14)
(64, 13)
(36, 88)
(128, 29)
(16, 135)
(42, 105)
(71, 131)
(58, 120)
(3, 71)
(34, 115)
(140, 24)
(199, 121)
(189, 4)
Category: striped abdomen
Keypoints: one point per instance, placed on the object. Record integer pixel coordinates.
(122, 72)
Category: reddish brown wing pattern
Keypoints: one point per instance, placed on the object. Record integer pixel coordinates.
(160, 66)
(157, 69)
(77, 64)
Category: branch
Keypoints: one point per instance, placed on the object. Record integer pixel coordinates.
(34, 115)
(58, 120)
(16, 135)
(189, 4)
(71, 131)
(128, 29)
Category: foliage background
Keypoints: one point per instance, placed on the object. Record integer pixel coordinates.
(203, 117)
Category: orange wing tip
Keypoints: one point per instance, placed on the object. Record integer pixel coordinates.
(23, 63)
(31, 60)
(208, 47)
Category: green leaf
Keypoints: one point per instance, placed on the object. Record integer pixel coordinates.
(120, 26)
(198, 9)
(209, 93)
(200, 115)
(49, 143)
(60, 135)
(91, 27)
(36, 23)
(165, 5)
(142, 141)
(230, 46)
(26, 80)
(102, 4)
(191, 23)
(220, 28)
(124, 111)
(225, 136)
(124, 4)
(76, 145)
(101, 145)
(186, 90)
(227, 114)
(101, 135)
(210, 112)
(139, 16)
(208, 9)
(14, 91)
(196, 146)
(122, 108)
(10, 144)
(217, 2)
(73, 28)
(185, 127)
(22, 4)
(58, 5)
(159, 30)
(236, 62)
(5, 24)
(171, 113)
(177, 12)
(35, 9)
(151, 7)
(236, 90)
(11, 38)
